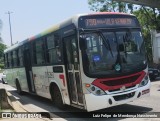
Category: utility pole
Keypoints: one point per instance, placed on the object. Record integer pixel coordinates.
(10, 26)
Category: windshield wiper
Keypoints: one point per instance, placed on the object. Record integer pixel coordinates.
(106, 42)
(126, 40)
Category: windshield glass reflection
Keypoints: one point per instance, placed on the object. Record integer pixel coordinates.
(111, 52)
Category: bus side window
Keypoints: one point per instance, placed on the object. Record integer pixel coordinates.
(17, 56)
(20, 55)
(58, 48)
(53, 49)
(34, 53)
(12, 62)
(50, 46)
(9, 60)
(6, 60)
(14, 59)
(40, 52)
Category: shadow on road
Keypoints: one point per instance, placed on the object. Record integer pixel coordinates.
(157, 79)
(70, 112)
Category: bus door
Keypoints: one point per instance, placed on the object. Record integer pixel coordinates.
(28, 68)
(72, 69)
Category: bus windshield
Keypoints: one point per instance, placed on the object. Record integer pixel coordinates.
(111, 52)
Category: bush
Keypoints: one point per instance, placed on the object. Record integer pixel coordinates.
(1, 66)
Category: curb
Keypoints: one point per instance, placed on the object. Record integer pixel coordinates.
(14, 105)
(4, 102)
(17, 106)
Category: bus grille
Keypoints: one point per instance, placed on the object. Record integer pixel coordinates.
(115, 84)
(121, 81)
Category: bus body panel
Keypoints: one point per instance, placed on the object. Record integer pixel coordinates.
(9, 77)
(41, 81)
(20, 75)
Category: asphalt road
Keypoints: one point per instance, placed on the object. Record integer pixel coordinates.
(38, 104)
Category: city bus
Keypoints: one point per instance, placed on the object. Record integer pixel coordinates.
(90, 61)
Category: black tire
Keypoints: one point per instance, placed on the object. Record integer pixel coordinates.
(3, 81)
(19, 90)
(57, 98)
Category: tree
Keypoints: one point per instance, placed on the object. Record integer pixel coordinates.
(149, 19)
(2, 48)
(107, 5)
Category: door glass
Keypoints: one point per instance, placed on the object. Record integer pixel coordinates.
(75, 54)
(69, 55)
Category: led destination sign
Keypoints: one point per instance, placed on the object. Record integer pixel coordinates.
(109, 22)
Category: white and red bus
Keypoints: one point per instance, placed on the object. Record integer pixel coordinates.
(90, 61)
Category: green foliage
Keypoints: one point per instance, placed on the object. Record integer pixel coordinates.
(149, 19)
(107, 5)
(1, 66)
(2, 48)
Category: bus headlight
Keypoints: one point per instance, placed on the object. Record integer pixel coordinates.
(144, 81)
(95, 90)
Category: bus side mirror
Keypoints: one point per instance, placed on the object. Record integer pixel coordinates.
(82, 44)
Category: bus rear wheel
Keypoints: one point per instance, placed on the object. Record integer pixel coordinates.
(3, 81)
(19, 90)
(57, 98)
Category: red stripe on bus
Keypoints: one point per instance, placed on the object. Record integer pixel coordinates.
(101, 82)
(61, 76)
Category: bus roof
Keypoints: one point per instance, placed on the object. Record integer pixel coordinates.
(69, 21)
(74, 20)
(109, 13)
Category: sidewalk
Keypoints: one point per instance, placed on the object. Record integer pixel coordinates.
(18, 107)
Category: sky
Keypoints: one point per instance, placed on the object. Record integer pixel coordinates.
(31, 17)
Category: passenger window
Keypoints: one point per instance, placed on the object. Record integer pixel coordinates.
(40, 52)
(53, 49)
(11, 59)
(17, 56)
(34, 52)
(20, 54)
(6, 60)
(14, 59)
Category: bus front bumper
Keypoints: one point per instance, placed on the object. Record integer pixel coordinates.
(94, 102)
